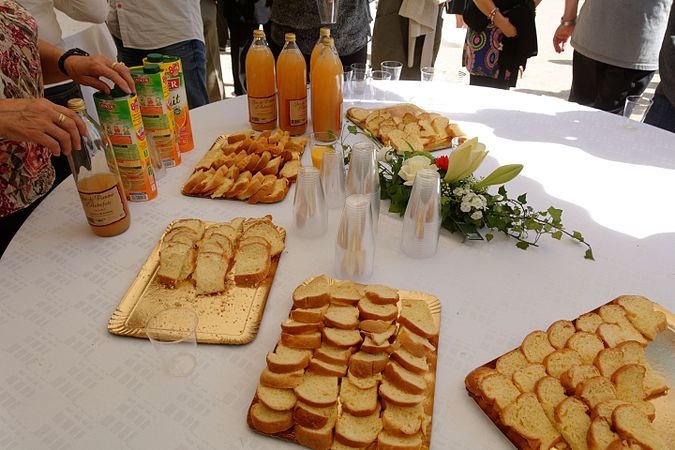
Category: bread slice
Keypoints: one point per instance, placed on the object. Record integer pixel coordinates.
(269, 421)
(409, 361)
(339, 316)
(333, 355)
(405, 420)
(312, 417)
(253, 186)
(559, 332)
(317, 438)
(210, 271)
(293, 327)
(586, 344)
(573, 422)
(309, 340)
(279, 191)
(536, 346)
(498, 390)
(224, 229)
(613, 334)
(341, 338)
(526, 417)
(640, 311)
(606, 409)
(633, 353)
(630, 423)
(276, 399)
(370, 310)
(415, 315)
(313, 294)
(600, 436)
(197, 178)
(358, 431)
(561, 361)
(608, 360)
(388, 441)
(510, 362)
(381, 294)
(318, 390)
(173, 258)
(370, 346)
(379, 337)
(251, 263)
(321, 367)
(416, 345)
(629, 382)
(526, 378)
(396, 396)
(272, 167)
(287, 359)
(550, 394)
(363, 364)
(356, 401)
(265, 190)
(364, 382)
(308, 315)
(196, 225)
(588, 322)
(239, 185)
(596, 390)
(344, 293)
(404, 379)
(616, 314)
(288, 380)
(269, 232)
(376, 326)
(576, 375)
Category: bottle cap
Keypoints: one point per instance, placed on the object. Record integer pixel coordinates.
(155, 58)
(259, 34)
(77, 104)
(324, 32)
(290, 37)
(116, 92)
(151, 68)
(167, 58)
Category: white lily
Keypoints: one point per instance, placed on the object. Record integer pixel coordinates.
(464, 160)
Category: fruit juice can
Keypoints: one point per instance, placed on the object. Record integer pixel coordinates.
(158, 118)
(173, 73)
(120, 118)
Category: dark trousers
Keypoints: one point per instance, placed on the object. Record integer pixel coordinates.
(662, 113)
(603, 86)
(476, 80)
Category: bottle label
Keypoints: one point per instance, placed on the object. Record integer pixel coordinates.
(262, 110)
(105, 207)
(297, 111)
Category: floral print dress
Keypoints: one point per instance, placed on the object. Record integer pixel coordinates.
(26, 172)
(481, 52)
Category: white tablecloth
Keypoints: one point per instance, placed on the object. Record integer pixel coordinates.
(66, 383)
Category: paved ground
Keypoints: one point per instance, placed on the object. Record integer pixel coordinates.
(548, 73)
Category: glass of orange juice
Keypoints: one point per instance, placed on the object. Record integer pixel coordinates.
(321, 142)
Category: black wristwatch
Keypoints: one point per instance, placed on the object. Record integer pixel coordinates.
(68, 54)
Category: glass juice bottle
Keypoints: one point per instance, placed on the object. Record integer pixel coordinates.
(98, 181)
(324, 32)
(262, 95)
(326, 87)
(292, 86)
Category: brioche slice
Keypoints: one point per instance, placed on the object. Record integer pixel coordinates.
(498, 390)
(318, 390)
(309, 340)
(550, 394)
(510, 362)
(370, 310)
(381, 294)
(536, 347)
(596, 390)
(559, 332)
(600, 436)
(613, 334)
(308, 315)
(527, 418)
(415, 315)
(616, 314)
(290, 169)
(173, 257)
(404, 379)
(379, 337)
(251, 263)
(560, 361)
(183, 234)
(588, 322)
(293, 327)
(269, 232)
(356, 401)
(633, 353)
(409, 361)
(197, 178)
(405, 420)
(276, 399)
(223, 229)
(339, 316)
(239, 185)
(396, 396)
(265, 190)
(269, 421)
(210, 271)
(279, 191)
(317, 438)
(375, 326)
(286, 359)
(629, 382)
(287, 380)
(364, 382)
(272, 167)
(416, 345)
(573, 422)
(526, 378)
(606, 409)
(388, 441)
(608, 361)
(640, 311)
(333, 355)
(321, 367)
(630, 423)
(310, 416)
(363, 364)
(358, 431)
(586, 344)
(577, 375)
(313, 294)
(196, 225)
(341, 338)
(253, 186)
(344, 293)
(370, 346)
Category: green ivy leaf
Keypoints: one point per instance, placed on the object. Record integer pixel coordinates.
(489, 236)
(589, 255)
(522, 198)
(556, 214)
(578, 236)
(522, 245)
(557, 235)
(502, 191)
(352, 129)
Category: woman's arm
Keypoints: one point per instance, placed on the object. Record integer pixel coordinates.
(488, 7)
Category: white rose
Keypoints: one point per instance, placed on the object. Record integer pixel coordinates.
(476, 202)
(412, 165)
(465, 207)
(477, 215)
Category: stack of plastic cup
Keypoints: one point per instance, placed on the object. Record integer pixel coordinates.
(355, 243)
(333, 179)
(363, 177)
(422, 219)
(309, 205)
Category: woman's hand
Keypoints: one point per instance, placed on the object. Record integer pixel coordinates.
(42, 122)
(502, 22)
(561, 36)
(87, 70)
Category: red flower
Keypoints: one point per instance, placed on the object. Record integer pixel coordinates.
(442, 162)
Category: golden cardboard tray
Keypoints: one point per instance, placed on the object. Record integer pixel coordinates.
(232, 317)
(433, 138)
(435, 308)
(660, 354)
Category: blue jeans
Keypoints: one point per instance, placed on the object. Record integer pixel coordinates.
(193, 58)
(661, 114)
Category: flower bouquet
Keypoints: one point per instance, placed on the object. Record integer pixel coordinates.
(467, 207)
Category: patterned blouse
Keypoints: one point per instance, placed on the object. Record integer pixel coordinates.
(26, 172)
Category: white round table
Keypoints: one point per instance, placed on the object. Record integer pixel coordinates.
(66, 383)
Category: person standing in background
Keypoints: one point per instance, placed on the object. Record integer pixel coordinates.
(169, 27)
(616, 48)
(662, 112)
(214, 74)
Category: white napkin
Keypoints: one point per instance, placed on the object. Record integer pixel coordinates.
(422, 15)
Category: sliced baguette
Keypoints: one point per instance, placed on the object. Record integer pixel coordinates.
(413, 343)
(324, 368)
(370, 346)
(364, 365)
(640, 311)
(588, 322)
(370, 310)
(344, 293)
(404, 379)
(536, 347)
(560, 361)
(405, 420)
(616, 314)
(526, 417)
(629, 383)
(510, 362)
(357, 401)
(381, 294)
(317, 438)
(210, 271)
(293, 327)
(550, 394)
(526, 378)
(308, 315)
(333, 355)
(286, 359)
(276, 399)
(287, 380)
(313, 294)
(409, 361)
(396, 396)
(415, 315)
(251, 263)
(388, 441)
(630, 423)
(309, 340)
(341, 338)
(588, 345)
(345, 317)
(364, 382)
(576, 375)
(380, 337)
(318, 390)
(269, 232)
(269, 421)
(596, 390)
(376, 326)
(573, 422)
(559, 332)
(498, 390)
(358, 431)
(310, 416)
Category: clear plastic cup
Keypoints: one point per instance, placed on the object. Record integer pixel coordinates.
(359, 84)
(635, 110)
(427, 73)
(309, 205)
(155, 158)
(393, 67)
(321, 142)
(364, 178)
(422, 218)
(172, 333)
(328, 10)
(380, 75)
(333, 178)
(355, 243)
